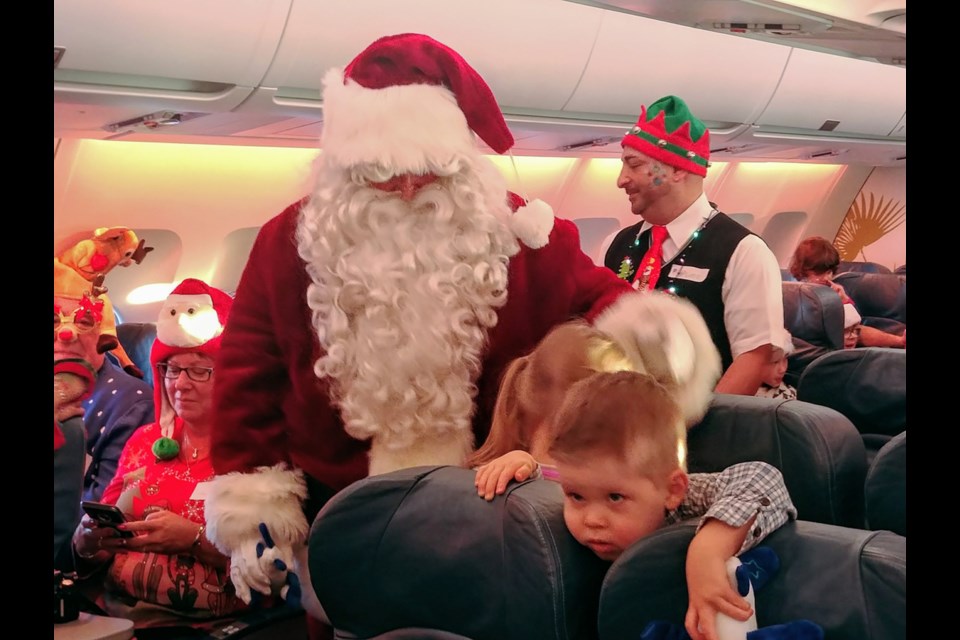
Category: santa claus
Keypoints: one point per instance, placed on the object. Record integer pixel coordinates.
(375, 317)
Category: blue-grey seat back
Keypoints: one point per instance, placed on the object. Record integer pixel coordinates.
(851, 582)
(867, 384)
(418, 549)
(885, 492)
(137, 340)
(877, 295)
(819, 451)
(861, 266)
(813, 313)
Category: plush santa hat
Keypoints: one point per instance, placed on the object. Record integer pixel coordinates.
(190, 321)
(851, 317)
(411, 103)
(670, 133)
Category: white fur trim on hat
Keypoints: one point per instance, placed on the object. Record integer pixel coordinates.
(667, 338)
(532, 223)
(447, 448)
(238, 502)
(408, 128)
(851, 316)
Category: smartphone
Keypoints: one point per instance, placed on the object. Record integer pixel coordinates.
(106, 515)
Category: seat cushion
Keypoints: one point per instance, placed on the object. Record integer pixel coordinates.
(819, 452)
(851, 582)
(885, 492)
(417, 548)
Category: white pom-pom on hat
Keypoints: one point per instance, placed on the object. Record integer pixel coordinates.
(532, 223)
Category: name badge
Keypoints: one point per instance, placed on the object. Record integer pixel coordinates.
(686, 272)
(201, 491)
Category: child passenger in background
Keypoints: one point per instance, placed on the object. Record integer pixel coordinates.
(618, 442)
(773, 385)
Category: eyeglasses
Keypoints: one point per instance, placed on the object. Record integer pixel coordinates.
(82, 321)
(172, 372)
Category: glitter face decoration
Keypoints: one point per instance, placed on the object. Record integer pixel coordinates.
(657, 170)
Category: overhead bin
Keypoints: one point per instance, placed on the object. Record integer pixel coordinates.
(531, 53)
(725, 79)
(201, 56)
(851, 96)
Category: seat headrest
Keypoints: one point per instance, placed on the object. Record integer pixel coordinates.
(813, 313)
(417, 548)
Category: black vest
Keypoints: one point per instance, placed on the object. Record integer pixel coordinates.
(710, 251)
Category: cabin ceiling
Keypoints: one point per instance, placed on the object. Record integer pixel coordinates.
(867, 29)
(100, 94)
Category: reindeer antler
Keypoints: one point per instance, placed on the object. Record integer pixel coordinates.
(96, 286)
(141, 252)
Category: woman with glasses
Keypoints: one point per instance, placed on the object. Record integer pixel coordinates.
(160, 569)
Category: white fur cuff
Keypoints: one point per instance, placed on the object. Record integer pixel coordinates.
(238, 502)
(532, 223)
(667, 338)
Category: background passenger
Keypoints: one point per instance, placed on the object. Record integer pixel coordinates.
(119, 403)
(619, 445)
(168, 575)
(684, 245)
(773, 385)
(816, 260)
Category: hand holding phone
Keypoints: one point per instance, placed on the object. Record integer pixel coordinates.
(106, 515)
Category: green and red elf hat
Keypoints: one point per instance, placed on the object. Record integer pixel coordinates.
(668, 132)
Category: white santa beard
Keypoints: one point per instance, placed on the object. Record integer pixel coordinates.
(403, 295)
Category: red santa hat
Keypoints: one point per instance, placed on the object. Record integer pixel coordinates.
(191, 320)
(410, 103)
(851, 317)
(406, 101)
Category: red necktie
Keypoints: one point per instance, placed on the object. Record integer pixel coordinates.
(648, 271)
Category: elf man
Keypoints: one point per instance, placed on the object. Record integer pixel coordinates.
(684, 245)
(375, 316)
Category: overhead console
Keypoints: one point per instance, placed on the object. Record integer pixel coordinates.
(563, 71)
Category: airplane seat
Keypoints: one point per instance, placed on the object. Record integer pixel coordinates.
(137, 340)
(885, 491)
(867, 384)
(861, 266)
(813, 314)
(881, 298)
(399, 553)
(819, 451)
(786, 276)
(851, 582)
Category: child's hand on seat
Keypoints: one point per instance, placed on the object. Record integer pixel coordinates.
(493, 477)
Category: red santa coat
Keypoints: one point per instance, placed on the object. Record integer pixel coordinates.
(271, 407)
